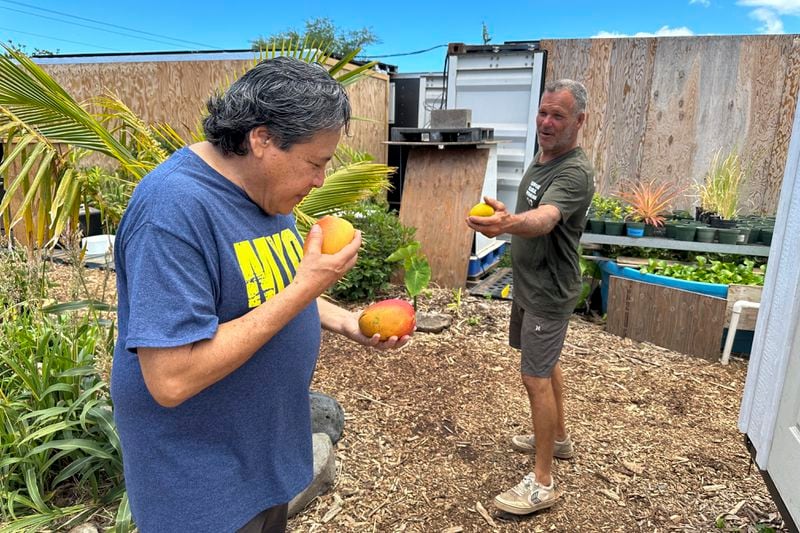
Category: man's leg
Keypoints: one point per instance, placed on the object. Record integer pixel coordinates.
(545, 421)
(557, 380)
(540, 341)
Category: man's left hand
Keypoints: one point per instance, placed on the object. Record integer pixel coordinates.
(353, 332)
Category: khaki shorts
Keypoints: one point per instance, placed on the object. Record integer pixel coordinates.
(539, 339)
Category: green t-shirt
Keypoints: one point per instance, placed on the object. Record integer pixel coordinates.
(547, 278)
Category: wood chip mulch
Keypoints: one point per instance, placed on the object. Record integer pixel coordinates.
(427, 427)
(426, 440)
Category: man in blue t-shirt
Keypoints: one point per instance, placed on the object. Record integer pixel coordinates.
(219, 309)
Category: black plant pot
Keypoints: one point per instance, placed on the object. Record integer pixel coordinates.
(717, 222)
(614, 227)
(702, 216)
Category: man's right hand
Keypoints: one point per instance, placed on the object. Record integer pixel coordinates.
(492, 225)
(323, 270)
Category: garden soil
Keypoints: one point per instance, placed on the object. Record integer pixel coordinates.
(427, 427)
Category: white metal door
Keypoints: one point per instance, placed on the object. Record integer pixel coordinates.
(502, 89)
(784, 459)
(770, 410)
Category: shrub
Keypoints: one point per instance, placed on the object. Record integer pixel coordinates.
(382, 234)
(58, 441)
(60, 460)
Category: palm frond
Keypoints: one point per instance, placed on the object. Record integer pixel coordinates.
(345, 186)
(30, 95)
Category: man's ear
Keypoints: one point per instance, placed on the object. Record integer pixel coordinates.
(259, 138)
(581, 119)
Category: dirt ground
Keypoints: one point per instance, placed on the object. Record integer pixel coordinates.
(426, 441)
(427, 428)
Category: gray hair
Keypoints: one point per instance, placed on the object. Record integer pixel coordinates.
(295, 100)
(576, 89)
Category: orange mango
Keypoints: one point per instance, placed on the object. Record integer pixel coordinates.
(336, 234)
(393, 317)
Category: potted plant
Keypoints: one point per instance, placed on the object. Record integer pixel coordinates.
(615, 215)
(648, 203)
(607, 215)
(706, 234)
(595, 222)
(719, 192)
(685, 232)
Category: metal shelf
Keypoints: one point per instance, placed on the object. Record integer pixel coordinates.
(673, 244)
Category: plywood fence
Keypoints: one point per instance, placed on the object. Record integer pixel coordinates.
(683, 321)
(659, 108)
(175, 92)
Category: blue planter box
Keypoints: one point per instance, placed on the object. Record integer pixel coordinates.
(478, 265)
(610, 268)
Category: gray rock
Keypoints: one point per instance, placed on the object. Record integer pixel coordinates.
(324, 474)
(327, 416)
(88, 527)
(433, 322)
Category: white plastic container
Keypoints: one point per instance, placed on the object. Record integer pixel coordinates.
(97, 245)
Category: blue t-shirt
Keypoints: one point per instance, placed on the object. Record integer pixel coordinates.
(191, 252)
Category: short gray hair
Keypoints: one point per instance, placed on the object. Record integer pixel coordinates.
(295, 100)
(576, 89)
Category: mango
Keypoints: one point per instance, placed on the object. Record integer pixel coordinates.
(336, 234)
(393, 317)
(481, 210)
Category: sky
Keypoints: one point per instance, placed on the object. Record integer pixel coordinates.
(414, 34)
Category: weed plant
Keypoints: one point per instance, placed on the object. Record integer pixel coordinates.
(60, 459)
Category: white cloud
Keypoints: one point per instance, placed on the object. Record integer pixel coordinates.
(769, 13)
(771, 22)
(664, 31)
(704, 3)
(782, 7)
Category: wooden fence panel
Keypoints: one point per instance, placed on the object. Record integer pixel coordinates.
(175, 92)
(660, 108)
(440, 187)
(683, 321)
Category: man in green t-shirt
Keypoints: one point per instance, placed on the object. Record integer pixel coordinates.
(552, 201)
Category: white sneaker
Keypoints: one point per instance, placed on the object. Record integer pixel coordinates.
(528, 496)
(527, 444)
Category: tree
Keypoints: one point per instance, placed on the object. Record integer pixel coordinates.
(322, 30)
(36, 51)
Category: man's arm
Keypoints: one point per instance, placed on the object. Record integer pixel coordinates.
(531, 223)
(344, 322)
(173, 375)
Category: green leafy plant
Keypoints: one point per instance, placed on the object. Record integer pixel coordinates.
(648, 201)
(719, 192)
(608, 208)
(455, 305)
(590, 278)
(59, 451)
(58, 442)
(382, 233)
(712, 271)
(416, 269)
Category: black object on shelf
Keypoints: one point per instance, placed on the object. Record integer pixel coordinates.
(442, 135)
